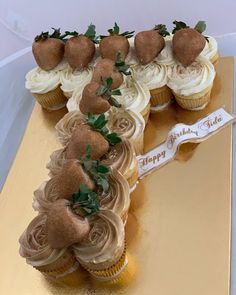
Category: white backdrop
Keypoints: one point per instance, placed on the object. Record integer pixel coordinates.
(21, 20)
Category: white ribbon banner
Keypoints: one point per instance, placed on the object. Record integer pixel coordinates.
(182, 133)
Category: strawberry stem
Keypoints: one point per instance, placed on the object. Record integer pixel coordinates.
(115, 31)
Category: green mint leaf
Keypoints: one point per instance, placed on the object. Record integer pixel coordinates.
(116, 92)
(128, 34)
(102, 169)
(104, 131)
(121, 65)
(56, 34)
(100, 122)
(109, 81)
(116, 29)
(87, 154)
(84, 189)
(91, 33)
(103, 182)
(43, 35)
(113, 138)
(162, 30)
(179, 25)
(91, 118)
(85, 202)
(114, 102)
(200, 26)
(102, 90)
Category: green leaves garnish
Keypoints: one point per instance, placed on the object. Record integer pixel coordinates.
(105, 91)
(116, 31)
(99, 124)
(200, 26)
(55, 34)
(162, 30)
(85, 202)
(178, 26)
(121, 66)
(91, 34)
(96, 170)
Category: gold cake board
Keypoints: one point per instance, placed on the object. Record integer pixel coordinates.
(179, 226)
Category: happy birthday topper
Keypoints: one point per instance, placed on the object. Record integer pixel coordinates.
(182, 133)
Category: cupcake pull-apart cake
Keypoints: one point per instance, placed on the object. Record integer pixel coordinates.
(191, 79)
(106, 146)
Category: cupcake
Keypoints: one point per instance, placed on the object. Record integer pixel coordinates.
(154, 76)
(116, 199)
(135, 97)
(103, 253)
(45, 87)
(192, 85)
(210, 50)
(74, 81)
(36, 249)
(125, 123)
(149, 45)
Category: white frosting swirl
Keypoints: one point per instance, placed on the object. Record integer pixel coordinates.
(105, 242)
(40, 81)
(192, 79)
(134, 96)
(34, 246)
(153, 75)
(131, 58)
(166, 57)
(75, 80)
(210, 49)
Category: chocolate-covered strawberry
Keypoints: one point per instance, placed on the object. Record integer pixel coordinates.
(108, 68)
(80, 49)
(98, 98)
(68, 180)
(148, 44)
(188, 42)
(64, 227)
(116, 43)
(48, 50)
(83, 135)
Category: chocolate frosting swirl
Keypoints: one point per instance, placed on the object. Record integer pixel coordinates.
(121, 157)
(104, 244)
(34, 245)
